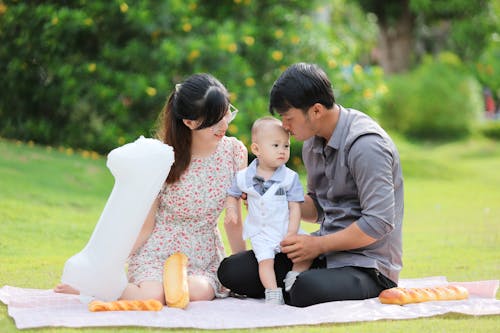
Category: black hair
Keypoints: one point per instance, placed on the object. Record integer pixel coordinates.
(301, 86)
(200, 97)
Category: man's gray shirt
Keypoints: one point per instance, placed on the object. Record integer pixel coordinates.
(357, 176)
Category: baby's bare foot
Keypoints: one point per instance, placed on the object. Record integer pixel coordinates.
(66, 289)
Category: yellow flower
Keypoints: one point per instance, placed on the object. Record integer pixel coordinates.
(91, 67)
(237, 1)
(232, 47)
(123, 7)
(69, 151)
(489, 69)
(245, 140)
(88, 21)
(232, 128)
(151, 91)
(368, 94)
(193, 55)
(357, 69)
(249, 82)
(192, 6)
(187, 27)
(346, 87)
(155, 34)
(295, 39)
(121, 140)
(3, 8)
(55, 20)
(332, 63)
(279, 33)
(85, 154)
(382, 89)
(94, 155)
(296, 161)
(233, 96)
(249, 40)
(277, 55)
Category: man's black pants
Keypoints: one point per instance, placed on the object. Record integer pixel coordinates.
(240, 273)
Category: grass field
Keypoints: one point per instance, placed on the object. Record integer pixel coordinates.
(50, 200)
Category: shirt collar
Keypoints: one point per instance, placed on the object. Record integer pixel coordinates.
(337, 135)
(278, 175)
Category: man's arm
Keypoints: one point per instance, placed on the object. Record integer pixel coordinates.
(303, 247)
(370, 163)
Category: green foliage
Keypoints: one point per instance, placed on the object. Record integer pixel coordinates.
(467, 25)
(488, 67)
(438, 100)
(463, 27)
(95, 74)
(491, 129)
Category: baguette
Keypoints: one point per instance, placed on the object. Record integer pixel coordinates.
(402, 296)
(175, 283)
(126, 305)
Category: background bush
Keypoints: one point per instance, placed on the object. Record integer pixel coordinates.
(95, 74)
(491, 129)
(438, 100)
(488, 68)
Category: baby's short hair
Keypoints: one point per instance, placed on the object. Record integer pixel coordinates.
(265, 122)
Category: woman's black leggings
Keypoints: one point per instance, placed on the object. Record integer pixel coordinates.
(240, 274)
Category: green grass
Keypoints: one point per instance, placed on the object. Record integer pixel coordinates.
(50, 202)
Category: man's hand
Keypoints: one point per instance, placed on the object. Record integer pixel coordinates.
(301, 247)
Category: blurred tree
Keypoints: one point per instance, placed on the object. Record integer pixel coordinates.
(412, 27)
(95, 74)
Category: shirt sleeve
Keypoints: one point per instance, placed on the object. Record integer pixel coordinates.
(370, 162)
(296, 191)
(240, 154)
(234, 190)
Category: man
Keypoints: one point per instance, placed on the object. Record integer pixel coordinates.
(354, 191)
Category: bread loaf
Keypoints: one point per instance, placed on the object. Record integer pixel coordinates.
(126, 305)
(175, 282)
(403, 296)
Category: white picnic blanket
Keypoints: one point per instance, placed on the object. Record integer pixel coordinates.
(32, 308)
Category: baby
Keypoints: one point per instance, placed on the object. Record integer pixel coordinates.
(274, 194)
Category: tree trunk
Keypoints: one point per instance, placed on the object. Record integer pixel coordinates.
(395, 44)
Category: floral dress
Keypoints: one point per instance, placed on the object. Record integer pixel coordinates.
(186, 220)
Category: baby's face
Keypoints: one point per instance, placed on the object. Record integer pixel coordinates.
(274, 147)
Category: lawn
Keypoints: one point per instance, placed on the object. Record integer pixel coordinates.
(51, 198)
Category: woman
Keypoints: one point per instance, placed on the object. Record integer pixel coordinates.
(185, 214)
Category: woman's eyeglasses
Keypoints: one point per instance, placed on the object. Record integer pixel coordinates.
(227, 118)
(234, 111)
